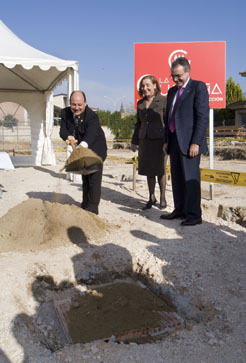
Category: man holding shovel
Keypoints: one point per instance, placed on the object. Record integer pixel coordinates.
(81, 126)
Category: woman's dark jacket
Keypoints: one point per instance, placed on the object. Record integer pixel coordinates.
(150, 121)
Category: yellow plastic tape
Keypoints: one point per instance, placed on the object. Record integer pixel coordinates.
(207, 175)
(59, 150)
(223, 177)
(212, 176)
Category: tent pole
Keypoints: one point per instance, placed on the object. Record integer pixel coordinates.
(69, 85)
(211, 147)
(76, 80)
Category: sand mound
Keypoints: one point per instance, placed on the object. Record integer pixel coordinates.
(37, 225)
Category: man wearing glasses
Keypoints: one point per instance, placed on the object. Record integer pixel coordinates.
(187, 117)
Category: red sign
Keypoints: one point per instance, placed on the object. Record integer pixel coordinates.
(207, 62)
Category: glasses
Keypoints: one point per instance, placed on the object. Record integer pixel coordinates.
(179, 76)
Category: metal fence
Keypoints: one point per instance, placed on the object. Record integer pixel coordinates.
(15, 139)
(15, 128)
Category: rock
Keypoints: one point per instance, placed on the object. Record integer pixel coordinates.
(94, 349)
(210, 335)
(39, 321)
(213, 341)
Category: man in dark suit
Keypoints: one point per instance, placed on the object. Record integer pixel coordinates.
(81, 124)
(187, 117)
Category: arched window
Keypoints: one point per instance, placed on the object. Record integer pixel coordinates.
(15, 130)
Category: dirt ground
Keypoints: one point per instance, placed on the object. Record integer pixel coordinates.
(50, 247)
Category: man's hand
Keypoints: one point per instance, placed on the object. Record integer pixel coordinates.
(165, 149)
(69, 138)
(194, 149)
(133, 147)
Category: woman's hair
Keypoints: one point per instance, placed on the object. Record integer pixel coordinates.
(153, 80)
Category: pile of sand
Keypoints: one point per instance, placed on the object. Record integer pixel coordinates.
(36, 225)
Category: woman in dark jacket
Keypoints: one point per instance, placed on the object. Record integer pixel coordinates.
(149, 137)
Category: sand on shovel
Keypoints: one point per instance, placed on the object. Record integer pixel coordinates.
(83, 161)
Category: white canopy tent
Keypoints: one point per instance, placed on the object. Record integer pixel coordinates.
(28, 77)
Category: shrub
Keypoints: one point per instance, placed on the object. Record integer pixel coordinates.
(122, 128)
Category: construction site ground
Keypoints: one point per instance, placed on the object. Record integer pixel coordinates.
(51, 248)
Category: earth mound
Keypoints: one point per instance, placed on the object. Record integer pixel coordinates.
(36, 225)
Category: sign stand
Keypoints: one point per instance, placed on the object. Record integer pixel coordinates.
(211, 147)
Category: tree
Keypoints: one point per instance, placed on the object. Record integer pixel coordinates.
(128, 123)
(115, 124)
(9, 121)
(104, 117)
(122, 128)
(234, 93)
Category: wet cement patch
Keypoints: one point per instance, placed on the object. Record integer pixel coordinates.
(122, 311)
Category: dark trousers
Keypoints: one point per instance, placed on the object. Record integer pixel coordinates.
(186, 184)
(92, 190)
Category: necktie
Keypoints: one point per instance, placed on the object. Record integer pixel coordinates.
(76, 125)
(172, 121)
(76, 121)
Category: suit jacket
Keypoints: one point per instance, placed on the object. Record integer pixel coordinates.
(150, 121)
(191, 117)
(89, 130)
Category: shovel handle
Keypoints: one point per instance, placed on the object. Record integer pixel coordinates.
(72, 144)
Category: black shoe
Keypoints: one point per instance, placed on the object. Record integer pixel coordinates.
(149, 204)
(173, 215)
(191, 222)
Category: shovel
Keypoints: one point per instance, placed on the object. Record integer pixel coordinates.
(82, 161)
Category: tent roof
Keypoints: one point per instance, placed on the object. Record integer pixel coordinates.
(24, 68)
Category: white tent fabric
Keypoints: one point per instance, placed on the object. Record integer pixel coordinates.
(48, 157)
(5, 162)
(28, 77)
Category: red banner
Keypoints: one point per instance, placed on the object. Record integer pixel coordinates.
(207, 62)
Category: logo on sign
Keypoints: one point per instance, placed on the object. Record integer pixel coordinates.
(176, 54)
(235, 177)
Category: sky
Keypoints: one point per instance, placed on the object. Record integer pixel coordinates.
(100, 35)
